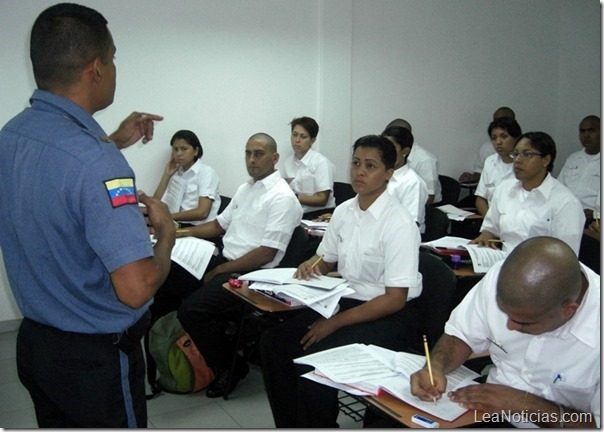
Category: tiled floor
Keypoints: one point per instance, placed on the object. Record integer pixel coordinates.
(247, 406)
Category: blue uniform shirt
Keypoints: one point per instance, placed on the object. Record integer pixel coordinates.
(68, 217)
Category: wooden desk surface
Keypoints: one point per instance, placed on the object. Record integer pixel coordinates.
(466, 270)
(259, 301)
(401, 411)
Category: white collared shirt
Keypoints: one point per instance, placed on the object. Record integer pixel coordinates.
(562, 366)
(425, 165)
(262, 213)
(200, 180)
(374, 249)
(581, 174)
(494, 172)
(410, 189)
(311, 174)
(516, 214)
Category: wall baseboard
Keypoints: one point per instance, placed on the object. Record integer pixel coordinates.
(10, 325)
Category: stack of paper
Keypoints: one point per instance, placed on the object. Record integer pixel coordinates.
(322, 293)
(455, 213)
(314, 228)
(482, 257)
(368, 369)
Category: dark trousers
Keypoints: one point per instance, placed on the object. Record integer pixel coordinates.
(81, 381)
(299, 402)
(205, 315)
(178, 285)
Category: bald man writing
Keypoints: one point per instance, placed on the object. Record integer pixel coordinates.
(538, 315)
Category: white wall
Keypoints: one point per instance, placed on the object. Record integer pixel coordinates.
(227, 69)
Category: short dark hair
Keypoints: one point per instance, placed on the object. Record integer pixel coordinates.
(507, 112)
(508, 124)
(544, 144)
(309, 124)
(402, 136)
(381, 144)
(190, 138)
(64, 38)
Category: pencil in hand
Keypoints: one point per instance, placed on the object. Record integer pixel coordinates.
(429, 364)
(317, 261)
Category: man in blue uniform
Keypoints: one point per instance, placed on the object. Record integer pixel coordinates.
(74, 240)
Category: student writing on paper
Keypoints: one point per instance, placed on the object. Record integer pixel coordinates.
(188, 186)
(375, 242)
(534, 203)
(538, 315)
(257, 227)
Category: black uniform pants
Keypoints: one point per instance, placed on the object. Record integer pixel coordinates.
(81, 380)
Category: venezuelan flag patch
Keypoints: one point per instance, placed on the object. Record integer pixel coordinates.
(121, 191)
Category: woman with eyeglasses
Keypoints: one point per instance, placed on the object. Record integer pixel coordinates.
(504, 133)
(534, 203)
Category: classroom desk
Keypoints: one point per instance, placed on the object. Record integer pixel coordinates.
(465, 270)
(261, 302)
(402, 412)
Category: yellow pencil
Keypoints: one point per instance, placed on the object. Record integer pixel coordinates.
(318, 260)
(495, 240)
(180, 231)
(429, 364)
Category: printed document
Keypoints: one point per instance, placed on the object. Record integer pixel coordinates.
(284, 276)
(193, 254)
(367, 369)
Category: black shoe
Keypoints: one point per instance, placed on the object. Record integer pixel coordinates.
(218, 388)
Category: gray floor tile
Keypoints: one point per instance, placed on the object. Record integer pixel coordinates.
(252, 411)
(200, 417)
(166, 402)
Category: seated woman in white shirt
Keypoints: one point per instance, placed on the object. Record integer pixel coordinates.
(406, 184)
(188, 186)
(534, 203)
(504, 133)
(309, 173)
(365, 237)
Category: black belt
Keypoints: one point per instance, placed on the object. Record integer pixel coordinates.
(130, 338)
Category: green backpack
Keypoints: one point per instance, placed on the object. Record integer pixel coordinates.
(181, 367)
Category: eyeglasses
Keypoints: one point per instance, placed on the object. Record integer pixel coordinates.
(524, 154)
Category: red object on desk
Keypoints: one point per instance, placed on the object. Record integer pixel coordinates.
(235, 283)
(450, 252)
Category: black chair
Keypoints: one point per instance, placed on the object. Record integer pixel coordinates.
(589, 252)
(224, 202)
(436, 300)
(437, 224)
(342, 192)
(297, 248)
(450, 190)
